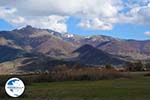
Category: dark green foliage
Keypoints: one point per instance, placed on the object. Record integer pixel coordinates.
(108, 66)
(147, 74)
(3, 79)
(3, 93)
(129, 66)
(77, 66)
(120, 89)
(147, 66)
(134, 66)
(138, 66)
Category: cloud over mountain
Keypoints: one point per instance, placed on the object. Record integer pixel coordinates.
(147, 33)
(93, 14)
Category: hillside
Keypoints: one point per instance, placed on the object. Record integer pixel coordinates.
(91, 55)
(132, 48)
(55, 48)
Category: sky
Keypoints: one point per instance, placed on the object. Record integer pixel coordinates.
(126, 19)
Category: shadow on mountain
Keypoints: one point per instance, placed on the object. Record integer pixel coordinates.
(8, 53)
(42, 64)
(93, 56)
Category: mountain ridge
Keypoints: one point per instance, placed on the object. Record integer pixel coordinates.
(61, 45)
(32, 49)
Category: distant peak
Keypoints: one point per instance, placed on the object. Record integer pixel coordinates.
(27, 29)
(28, 26)
(32, 28)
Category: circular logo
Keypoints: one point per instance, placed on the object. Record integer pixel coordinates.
(14, 87)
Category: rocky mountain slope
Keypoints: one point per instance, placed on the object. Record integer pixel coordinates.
(32, 42)
(93, 56)
(58, 44)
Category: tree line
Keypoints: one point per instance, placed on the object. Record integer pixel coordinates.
(137, 66)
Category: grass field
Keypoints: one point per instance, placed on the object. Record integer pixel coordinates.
(118, 89)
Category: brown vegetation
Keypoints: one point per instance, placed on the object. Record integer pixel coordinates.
(63, 73)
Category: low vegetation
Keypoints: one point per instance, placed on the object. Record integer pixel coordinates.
(76, 83)
(118, 89)
(63, 73)
(137, 66)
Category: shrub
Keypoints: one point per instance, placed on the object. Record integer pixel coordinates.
(3, 79)
(66, 74)
(147, 74)
(108, 66)
(147, 66)
(3, 93)
(134, 66)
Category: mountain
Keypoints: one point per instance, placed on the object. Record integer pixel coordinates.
(35, 41)
(7, 53)
(97, 39)
(40, 40)
(93, 56)
(131, 49)
(61, 45)
(57, 44)
(138, 50)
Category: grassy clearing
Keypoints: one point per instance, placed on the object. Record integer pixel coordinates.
(118, 89)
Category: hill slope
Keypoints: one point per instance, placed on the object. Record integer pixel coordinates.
(90, 55)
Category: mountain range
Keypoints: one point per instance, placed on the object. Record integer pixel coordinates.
(29, 43)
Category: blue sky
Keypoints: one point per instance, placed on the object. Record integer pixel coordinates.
(117, 18)
(124, 31)
(5, 26)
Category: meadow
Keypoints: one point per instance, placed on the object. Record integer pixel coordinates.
(137, 88)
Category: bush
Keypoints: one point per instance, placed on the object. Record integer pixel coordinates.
(147, 66)
(148, 74)
(66, 74)
(108, 66)
(134, 66)
(3, 93)
(3, 79)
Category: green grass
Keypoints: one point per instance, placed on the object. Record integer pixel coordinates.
(119, 89)
(136, 74)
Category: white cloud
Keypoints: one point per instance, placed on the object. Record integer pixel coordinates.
(94, 14)
(17, 20)
(86, 10)
(147, 33)
(9, 14)
(53, 22)
(6, 11)
(137, 15)
(100, 14)
(64, 7)
(95, 24)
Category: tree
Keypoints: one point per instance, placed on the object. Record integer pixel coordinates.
(61, 68)
(138, 66)
(129, 66)
(147, 66)
(77, 66)
(108, 66)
